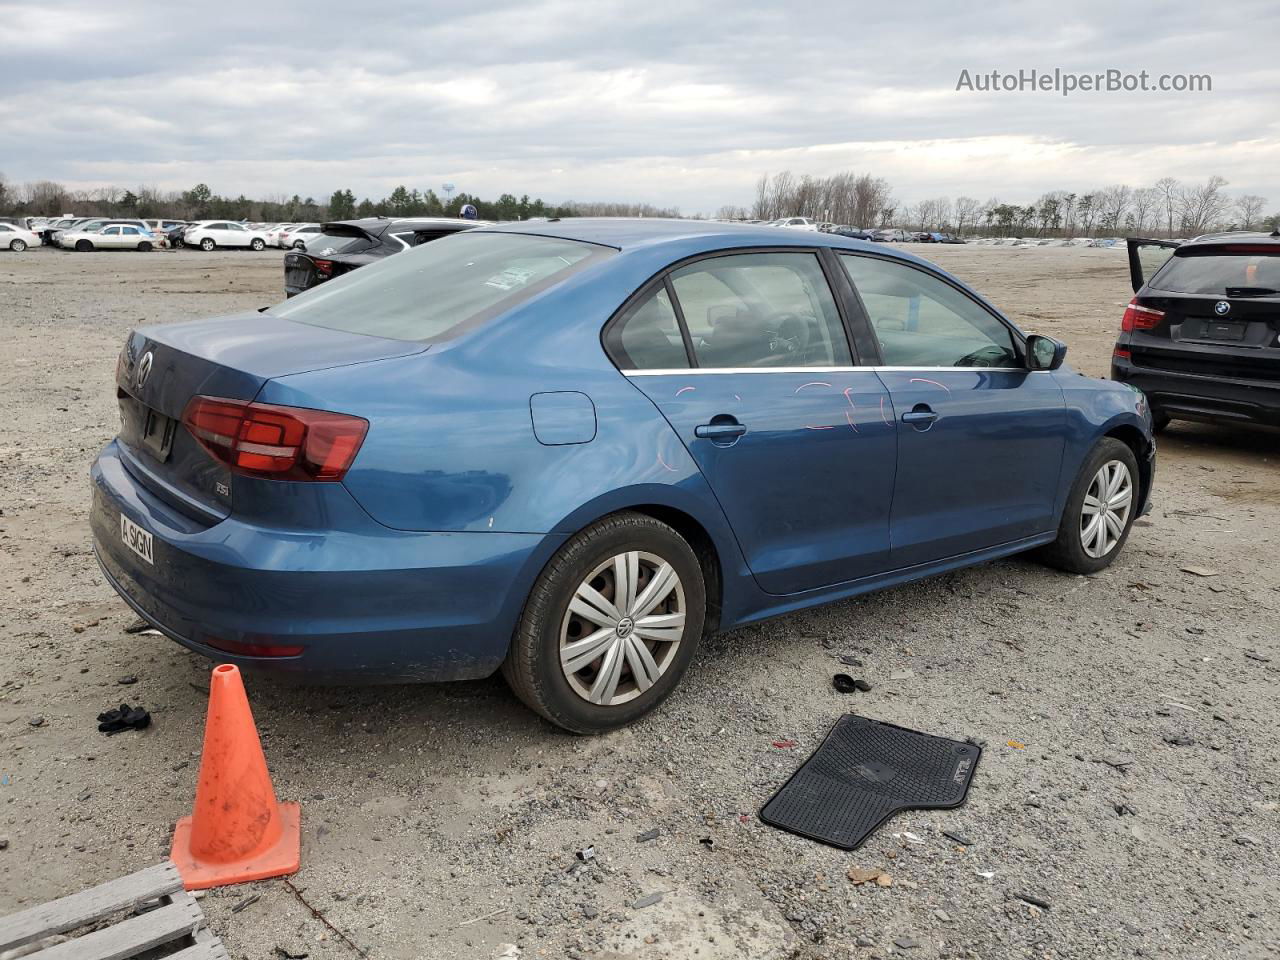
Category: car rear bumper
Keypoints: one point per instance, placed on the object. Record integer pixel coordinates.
(1193, 396)
(366, 603)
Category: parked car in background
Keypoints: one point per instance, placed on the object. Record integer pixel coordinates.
(890, 235)
(284, 236)
(853, 233)
(299, 238)
(164, 226)
(115, 236)
(1201, 336)
(273, 232)
(17, 238)
(173, 236)
(48, 231)
(346, 245)
(212, 234)
(797, 223)
(69, 237)
(568, 450)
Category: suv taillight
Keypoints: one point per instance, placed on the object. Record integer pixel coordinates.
(1138, 317)
(323, 267)
(279, 443)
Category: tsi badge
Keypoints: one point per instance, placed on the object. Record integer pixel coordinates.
(1222, 308)
(221, 489)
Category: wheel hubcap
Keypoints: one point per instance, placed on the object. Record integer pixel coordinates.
(1105, 511)
(623, 628)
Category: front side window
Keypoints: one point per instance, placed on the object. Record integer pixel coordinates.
(111, 232)
(921, 321)
(647, 336)
(424, 293)
(761, 310)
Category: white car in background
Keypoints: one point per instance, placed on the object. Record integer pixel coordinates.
(284, 239)
(17, 238)
(298, 239)
(212, 234)
(797, 223)
(273, 231)
(113, 236)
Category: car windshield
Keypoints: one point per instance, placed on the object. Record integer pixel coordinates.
(1247, 266)
(424, 293)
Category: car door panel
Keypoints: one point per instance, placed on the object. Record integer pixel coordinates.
(985, 471)
(980, 437)
(808, 484)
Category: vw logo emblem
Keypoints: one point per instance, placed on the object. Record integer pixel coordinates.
(626, 626)
(1222, 308)
(144, 369)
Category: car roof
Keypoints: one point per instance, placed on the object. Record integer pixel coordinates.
(1234, 236)
(623, 233)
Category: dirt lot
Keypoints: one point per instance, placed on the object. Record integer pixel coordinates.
(441, 821)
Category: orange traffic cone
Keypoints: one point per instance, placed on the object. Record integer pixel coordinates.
(237, 831)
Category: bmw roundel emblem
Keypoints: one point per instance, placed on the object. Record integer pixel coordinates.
(1222, 308)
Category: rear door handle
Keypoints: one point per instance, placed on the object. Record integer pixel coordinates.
(919, 415)
(719, 431)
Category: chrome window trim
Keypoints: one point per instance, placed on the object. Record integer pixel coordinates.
(704, 371)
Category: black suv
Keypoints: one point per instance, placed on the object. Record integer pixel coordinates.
(345, 245)
(1202, 337)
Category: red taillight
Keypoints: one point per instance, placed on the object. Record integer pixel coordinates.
(281, 443)
(1120, 353)
(254, 649)
(1138, 317)
(324, 267)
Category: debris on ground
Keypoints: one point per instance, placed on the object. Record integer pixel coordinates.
(586, 853)
(958, 838)
(122, 718)
(648, 900)
(847, 684)
(246, 902)
(647, 836)
(1033, 900)
(1200, 571)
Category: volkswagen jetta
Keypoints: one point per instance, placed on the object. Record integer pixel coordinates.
(569, 450)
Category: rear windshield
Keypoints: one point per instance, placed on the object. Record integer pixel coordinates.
(424, 293)
(330, 244)
(1252, 268)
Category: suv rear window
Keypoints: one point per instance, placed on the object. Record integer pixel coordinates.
(424, 293)
(1253, 267)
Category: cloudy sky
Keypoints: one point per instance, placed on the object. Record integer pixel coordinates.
(670, 103)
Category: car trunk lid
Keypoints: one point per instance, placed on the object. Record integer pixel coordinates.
(162, 367)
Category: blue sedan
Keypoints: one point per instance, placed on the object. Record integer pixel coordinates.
(569, 450)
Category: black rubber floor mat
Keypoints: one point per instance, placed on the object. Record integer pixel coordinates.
(864, 772)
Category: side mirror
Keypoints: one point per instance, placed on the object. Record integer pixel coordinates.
(1045, 353)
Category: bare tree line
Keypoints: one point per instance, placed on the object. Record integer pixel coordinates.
(1167, 207)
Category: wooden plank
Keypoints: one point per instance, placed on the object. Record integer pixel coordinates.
(211, 950)
(130, 937)
(59, 916)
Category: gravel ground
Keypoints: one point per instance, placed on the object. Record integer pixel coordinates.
(1129, 779)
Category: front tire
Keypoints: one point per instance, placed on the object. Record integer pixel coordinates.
(1099, 512)
(257, 244)
(17, 246)
(207, 244)
(610, 625)
(144, 247)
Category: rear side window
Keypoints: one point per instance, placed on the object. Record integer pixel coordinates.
(424, 293)
(1249, 268)
(920, 321)
(761, 310)
(647, 337)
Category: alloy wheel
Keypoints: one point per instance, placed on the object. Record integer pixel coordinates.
(623, 627)
(1104, 515)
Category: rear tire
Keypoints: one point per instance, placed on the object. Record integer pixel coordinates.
(84, 246)
(17, 246)
(257, 244)
(144, 247)
(1092, 534)
(647, 552)
(207, 244)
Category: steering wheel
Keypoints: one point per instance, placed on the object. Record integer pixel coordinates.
(788, 333)
(989, 356)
